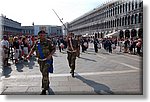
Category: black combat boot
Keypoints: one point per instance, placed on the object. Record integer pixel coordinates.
(43, 92)
(72, 74)
(71, 71)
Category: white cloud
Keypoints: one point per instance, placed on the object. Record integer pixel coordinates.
(40, 11)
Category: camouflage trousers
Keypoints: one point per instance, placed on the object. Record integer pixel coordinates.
(78, 52)
(71, 60)
(45, 74)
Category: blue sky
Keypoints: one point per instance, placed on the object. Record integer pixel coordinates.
(40, 11)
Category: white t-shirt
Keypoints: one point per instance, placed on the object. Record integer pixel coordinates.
(5, 43)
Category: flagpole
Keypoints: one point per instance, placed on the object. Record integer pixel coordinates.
(60, 20)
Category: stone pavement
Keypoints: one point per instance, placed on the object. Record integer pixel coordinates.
(108, 84)
(96, 74)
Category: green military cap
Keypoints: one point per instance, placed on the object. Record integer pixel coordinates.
(42, 32)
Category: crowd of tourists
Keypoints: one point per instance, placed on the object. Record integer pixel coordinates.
(16, 48)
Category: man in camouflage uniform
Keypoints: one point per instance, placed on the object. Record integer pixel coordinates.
(72, 52)
(48, 49)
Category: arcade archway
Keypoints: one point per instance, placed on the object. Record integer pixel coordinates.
(127, 34)
(133, 33)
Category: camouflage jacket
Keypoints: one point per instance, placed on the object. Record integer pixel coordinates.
(74, 44)
(47, 47)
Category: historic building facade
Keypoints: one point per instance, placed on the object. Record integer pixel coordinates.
(27, 30)
(123, 18)
(49, 29)
(9, 26)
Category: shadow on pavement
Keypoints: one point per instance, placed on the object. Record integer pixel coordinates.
(98, 88)
(90, 53)
(19, 67)
(64, 52)
(50, 92)
(88, 59)
(30, 63)
(6, 71)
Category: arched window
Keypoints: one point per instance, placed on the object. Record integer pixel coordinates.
(128, 20)
(127, 34)
(132, 5)
(113, 23)
(133, 33)
(117, 22)
(136, 5)
(109, 24)
(107, 13)
(111, 12)
(120, 8)
(120, 21)
(140, 33)
(129, 6)
(140, 17)
(141, 4)
(136, 18)
(123, 21)
(115, 10)
(104, 25)
(126, 7)
(132, 19)
(123, 7)
(121, 35)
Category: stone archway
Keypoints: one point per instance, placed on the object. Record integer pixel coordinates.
(127, 34)
(140, 33)
(133, 33)
(129, 20)
(140, 19)
(96, 35)
(121, 35)
(102, 35)
(132, 19)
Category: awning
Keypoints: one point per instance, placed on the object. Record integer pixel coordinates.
(112, 34)
(86, 35)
